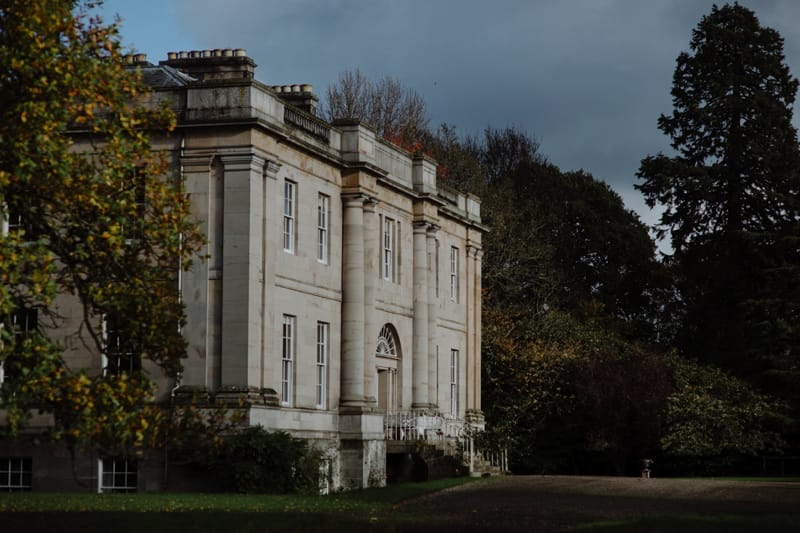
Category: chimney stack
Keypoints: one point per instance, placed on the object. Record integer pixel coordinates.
(139, 60)
(213, 64)
(299, 95)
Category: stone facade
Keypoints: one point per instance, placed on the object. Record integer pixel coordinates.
(339, 283)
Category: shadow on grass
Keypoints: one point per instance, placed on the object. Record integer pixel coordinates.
(363, 510)
(196, 522)
(728, 523)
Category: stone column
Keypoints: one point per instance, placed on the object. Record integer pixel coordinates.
(433, 330)
(242, 273)
(197, 368)
(352, 373)
(420, 399)
(370, 279)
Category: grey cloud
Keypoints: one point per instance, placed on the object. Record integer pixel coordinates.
(588, 78)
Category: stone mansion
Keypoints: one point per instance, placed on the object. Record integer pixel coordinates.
(339, 292)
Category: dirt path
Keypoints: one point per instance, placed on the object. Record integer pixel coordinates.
(553, 503)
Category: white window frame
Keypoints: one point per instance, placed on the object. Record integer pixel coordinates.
(134, 359)
(436, 268)
(139, 201)
(9, 224)
(110, 469)
(289, 216)
(323, 227)
(288, 346)
(31, 318)
(323, 349)
(388, 248)
(454, 274)
(454, 356)
(16, 474)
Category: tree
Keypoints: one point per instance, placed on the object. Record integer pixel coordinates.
(397, 113)
(558, 239)
(714, 417)
(567, 275)
(571, 396)
(731, 198)
(103, 230)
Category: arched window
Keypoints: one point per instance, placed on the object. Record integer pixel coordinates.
(387, 354)
(387, 342)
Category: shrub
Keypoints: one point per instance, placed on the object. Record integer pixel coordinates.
(254, 460)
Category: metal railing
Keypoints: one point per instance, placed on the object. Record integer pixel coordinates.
(454, 436)
(421, 425)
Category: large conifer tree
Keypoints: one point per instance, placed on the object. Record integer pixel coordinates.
(730, 195)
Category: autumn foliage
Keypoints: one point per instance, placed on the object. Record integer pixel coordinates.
(96, 223)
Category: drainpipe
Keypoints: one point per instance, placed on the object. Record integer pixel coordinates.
(175, 388)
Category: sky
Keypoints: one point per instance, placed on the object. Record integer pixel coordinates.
(586, 78)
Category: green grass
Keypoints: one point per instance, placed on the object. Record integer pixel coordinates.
(370, 509)
(725, 523)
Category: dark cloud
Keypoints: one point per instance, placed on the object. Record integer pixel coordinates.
(587, 78)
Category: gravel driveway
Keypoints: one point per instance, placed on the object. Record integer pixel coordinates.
(554, 503)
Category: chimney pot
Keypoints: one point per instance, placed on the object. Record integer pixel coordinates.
(140, 58)
(227, 52)
(183, 54)
(306, 88)
(240, 52)
(172, 55)
(207, 53)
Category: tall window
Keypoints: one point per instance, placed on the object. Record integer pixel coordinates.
(436, 268)
(454, 274)
(137, 184)
(287, 360)
(117, 475)
(123, 353)
(15, 222)
(289, 211)
(323, 217)
(454, 382)
(16, 474)
(388, 248)
(22, 323)
(323, 343)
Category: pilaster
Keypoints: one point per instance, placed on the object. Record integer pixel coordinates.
(242, 270)
(197, 368)
(433, 330)
(473, 310)
(272, 244)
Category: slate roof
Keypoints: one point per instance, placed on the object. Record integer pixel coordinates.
(163, 76)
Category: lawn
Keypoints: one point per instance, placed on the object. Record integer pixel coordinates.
(519, 503)
(371, 509)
